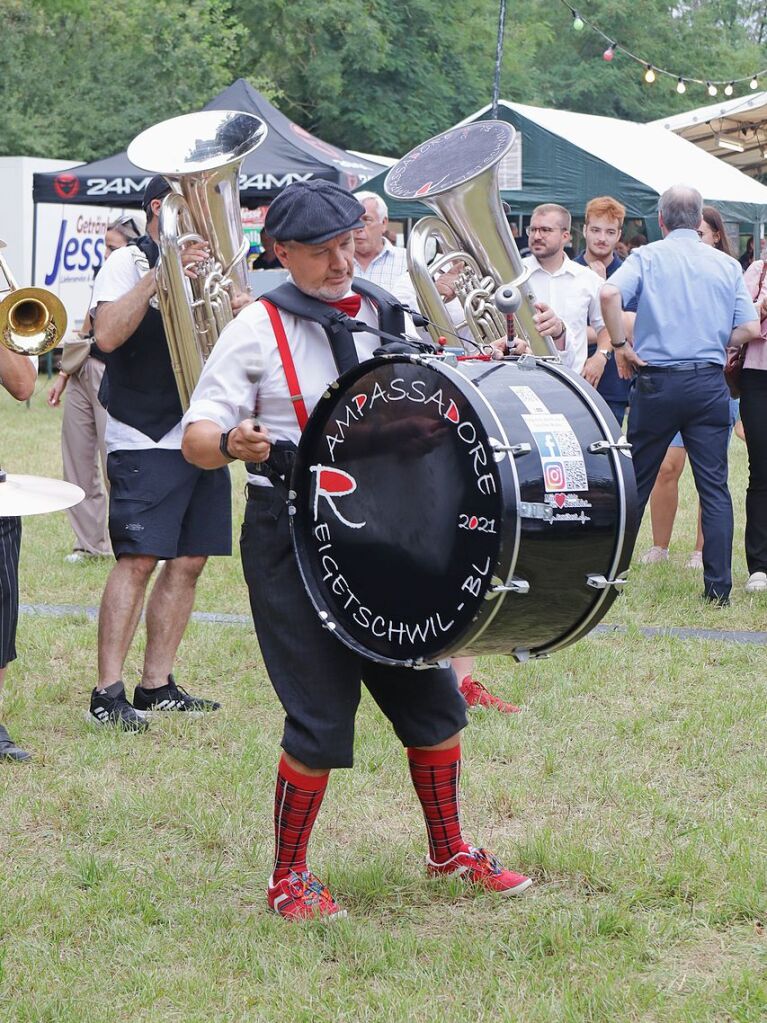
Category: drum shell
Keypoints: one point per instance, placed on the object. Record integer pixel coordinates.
(536, 595)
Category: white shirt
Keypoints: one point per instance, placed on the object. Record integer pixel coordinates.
(385, 268)
(119, 275)
(244, 375)
(572, 291)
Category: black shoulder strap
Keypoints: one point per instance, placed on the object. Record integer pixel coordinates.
(149, 247)
(291, 300)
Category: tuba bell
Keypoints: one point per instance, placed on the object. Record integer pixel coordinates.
(200, 155)
(456, 174)
(32, 320)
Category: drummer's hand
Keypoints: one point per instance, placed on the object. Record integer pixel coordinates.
(240, 299)
(518, 346)
(249, 442)
(54, 395)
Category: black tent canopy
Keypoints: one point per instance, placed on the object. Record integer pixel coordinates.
(288, 154)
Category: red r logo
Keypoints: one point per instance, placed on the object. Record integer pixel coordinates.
(332, 484)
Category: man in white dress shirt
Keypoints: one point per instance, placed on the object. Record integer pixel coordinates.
(280, 363)
(570, 289)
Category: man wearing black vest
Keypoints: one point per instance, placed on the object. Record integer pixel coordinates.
(160, 507)
(278, 358)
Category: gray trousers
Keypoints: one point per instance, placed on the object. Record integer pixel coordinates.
(82, 448)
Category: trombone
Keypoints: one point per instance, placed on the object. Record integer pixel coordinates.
(32, 320)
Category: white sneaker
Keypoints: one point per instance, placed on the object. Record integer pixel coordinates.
(757, 582)
(695, 560)
(654, 555)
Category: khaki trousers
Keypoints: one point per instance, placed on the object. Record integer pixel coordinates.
(82, 446)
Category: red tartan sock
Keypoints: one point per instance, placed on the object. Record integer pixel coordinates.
(297, 801)
(436, 774)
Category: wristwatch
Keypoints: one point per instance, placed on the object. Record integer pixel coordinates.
(607, 352)
(619, 344)
(223, 445)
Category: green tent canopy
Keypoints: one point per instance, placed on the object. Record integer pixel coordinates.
(569, 158)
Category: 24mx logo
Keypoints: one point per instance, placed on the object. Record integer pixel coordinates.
(333, 484)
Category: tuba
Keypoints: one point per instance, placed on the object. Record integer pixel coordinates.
(32, 320)
(200, 155)
(456, 174)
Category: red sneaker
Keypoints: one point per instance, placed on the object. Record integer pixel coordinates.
(301, 897)
(478, 866)
(476, 695)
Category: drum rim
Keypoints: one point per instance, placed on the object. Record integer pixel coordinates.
(484, 615)
(584, 626)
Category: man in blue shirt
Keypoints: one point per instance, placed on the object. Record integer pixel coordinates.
(691, 304)
(602, 232)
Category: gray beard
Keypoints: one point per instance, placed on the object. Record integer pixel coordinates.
(326, 294)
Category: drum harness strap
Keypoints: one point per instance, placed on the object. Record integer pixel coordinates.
(339, 329)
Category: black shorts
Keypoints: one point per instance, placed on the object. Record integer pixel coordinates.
(10, 544)
(316, 677)
(162, 506)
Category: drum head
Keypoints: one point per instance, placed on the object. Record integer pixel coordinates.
(399, 508)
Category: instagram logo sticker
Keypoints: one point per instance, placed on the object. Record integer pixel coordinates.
(554, 475)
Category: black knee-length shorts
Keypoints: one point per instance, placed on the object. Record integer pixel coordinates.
(316, 677)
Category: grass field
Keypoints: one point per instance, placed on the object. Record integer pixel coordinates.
(632, 788)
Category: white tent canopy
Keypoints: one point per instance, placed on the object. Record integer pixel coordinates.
(648, 153)
(735, 131)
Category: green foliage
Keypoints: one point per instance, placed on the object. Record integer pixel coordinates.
(80, 78)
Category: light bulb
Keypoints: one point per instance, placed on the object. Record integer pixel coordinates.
(753, 84)
(728, 89)
(578, 22)
(681, 87)
(649, 75)
(609, 53)
(712, 90)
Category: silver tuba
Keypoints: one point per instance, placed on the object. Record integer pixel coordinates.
(200, 155)
(456, 174)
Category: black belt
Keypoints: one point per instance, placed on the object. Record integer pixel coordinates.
(684, 367)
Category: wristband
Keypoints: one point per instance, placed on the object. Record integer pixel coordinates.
(619, 344)
(223, 444)
(607, 352)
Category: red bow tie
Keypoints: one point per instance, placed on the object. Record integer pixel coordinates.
(350, 305)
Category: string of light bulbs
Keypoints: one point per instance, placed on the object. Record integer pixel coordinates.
(652, 71)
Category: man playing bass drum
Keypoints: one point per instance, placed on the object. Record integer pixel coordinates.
(280, 363)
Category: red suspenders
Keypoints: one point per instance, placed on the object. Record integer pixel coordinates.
(288, 364)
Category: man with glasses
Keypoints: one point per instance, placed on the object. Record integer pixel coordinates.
(567, 293)
(602, 232)
(375, 258)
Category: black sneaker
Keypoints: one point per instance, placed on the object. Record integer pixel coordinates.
(9, 750)
(116, 711)
(171, 698)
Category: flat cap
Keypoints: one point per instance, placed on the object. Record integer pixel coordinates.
(157, 188)
(313, 212)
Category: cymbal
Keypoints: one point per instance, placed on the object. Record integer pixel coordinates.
(35, 495)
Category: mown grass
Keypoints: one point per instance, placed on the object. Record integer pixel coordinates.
(632, 789)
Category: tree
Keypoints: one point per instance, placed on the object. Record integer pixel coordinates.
(81, 78)
(372, 75)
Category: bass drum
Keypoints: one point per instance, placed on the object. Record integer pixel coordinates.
(444, 507)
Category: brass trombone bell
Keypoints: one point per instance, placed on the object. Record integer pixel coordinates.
(32, 320)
